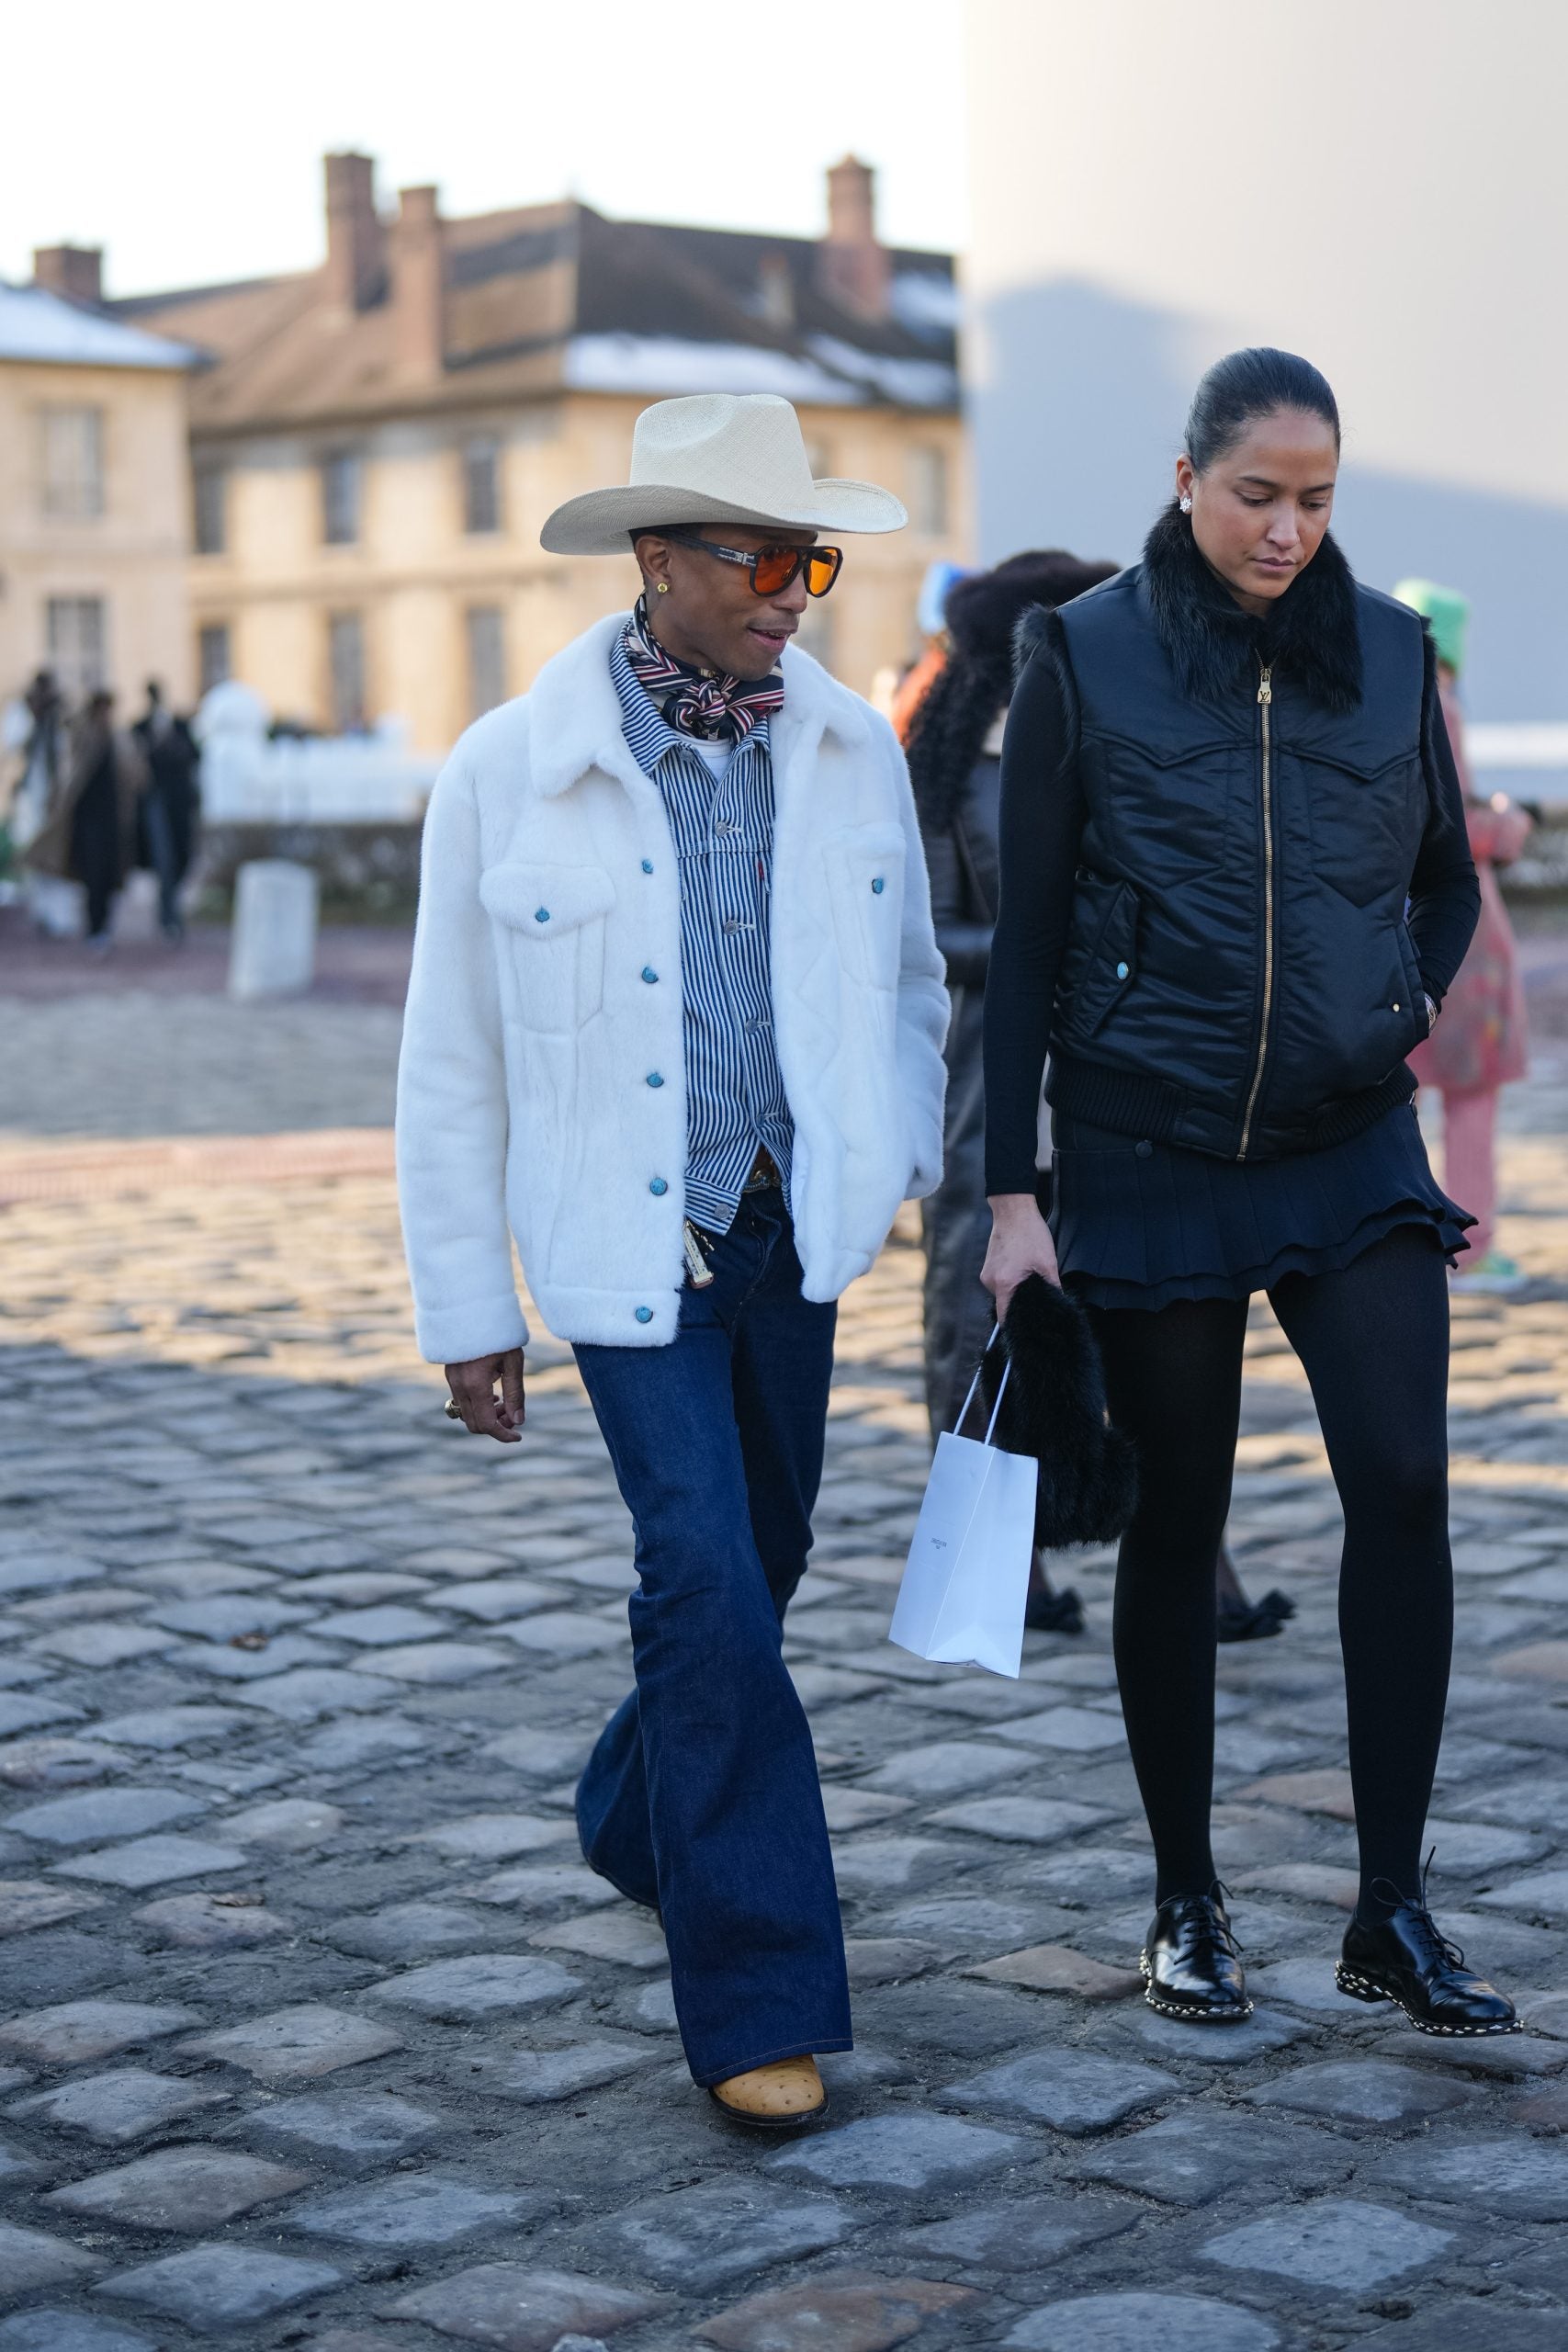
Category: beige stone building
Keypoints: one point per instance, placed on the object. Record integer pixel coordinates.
(94, 499)
(376, 443)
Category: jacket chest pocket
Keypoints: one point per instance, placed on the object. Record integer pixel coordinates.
(865, 883)
(1367, 823)
(551, 921)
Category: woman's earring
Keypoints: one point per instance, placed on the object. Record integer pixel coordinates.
(662, 587)
(1185, 505)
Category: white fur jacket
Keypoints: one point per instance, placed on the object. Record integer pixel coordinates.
(522, 1094)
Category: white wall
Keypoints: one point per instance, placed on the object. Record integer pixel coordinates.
(1379, 184)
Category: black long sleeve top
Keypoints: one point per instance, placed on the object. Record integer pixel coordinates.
(1042, 822)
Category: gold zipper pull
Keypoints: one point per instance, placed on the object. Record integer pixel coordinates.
(1265, 686)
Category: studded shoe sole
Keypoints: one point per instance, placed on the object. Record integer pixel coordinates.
(1186, 2016)
(1357, 1988)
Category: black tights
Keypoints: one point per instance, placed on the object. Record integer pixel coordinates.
(1373, 1340)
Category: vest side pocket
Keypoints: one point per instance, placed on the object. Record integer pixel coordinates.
(1103, 957)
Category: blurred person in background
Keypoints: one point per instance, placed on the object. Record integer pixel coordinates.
(90, 832)
(170, 800)
(954, 743)
(1482, 1043)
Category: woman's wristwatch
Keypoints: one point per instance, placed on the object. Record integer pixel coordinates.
(1431, 1011)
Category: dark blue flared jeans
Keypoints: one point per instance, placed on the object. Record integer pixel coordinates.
(702, 1798)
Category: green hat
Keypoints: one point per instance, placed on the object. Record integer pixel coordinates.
(1447, 612)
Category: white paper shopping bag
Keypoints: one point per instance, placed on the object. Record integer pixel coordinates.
(966, 1580)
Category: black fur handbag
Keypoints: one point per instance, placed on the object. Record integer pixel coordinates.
(1054, 1409)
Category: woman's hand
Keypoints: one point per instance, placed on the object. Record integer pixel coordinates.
(481, 1412)
(1021, 1244)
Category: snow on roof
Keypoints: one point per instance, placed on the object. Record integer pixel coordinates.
(36, 324)
(837, 378)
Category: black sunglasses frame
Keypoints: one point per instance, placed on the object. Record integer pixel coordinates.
(738, 555)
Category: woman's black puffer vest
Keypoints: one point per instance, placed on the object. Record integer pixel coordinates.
(1238, 976)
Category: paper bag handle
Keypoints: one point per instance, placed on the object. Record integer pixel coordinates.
(974, 1385)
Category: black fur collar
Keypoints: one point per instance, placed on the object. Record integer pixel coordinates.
(1313, 631)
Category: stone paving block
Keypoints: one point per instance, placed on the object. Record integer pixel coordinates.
(1541, 1894)
(1023, 2234)
(971, 1923)
(27, 1710)
(495, 1837)
(29, 2259)
(374, 2124)
(1077, 1731)
(889, 1959)
(701, 2238)
(295, 2045)
(496, 1597)
(632, 1937)
(105, 1641)
(434, 1662)
(417, 2209)
(63, 2331)
(1056, 1968)
(561, 1633)
(1022, 1821)
(153, 1861)
(1520, 2178)
(910, 2151)
(75, 2032)
(1195, 2155)
(92, 1815)
(543, 1886)
(1228, 2045)
(480, 1985)
(1306, 1985)
(1509, 2057)
(512, 2309)
(1075, 2091)
(341, 1745)
(29, 1902)
(1135, 2322)
(381, 1628)
(884, 1865)
(1322, 1792)
(122, 2105)
(169, 1727)
(539, 2077)
(311, 1692)
(850, 2311)
(1534, 1662)
(1469, 2323)
(857, 1808)
(1339, 2244)
(45, 1572)
(539, 1755)
(1464, 1848)
(406, 1930)
(14, 2164)
(288, 1824)
(1094, 1874)
(213, 2288)
(208, 1922)
(187, 2188)
(1307, 1882)
(51, 1762)
(1363, 2090)
(946, 1768)
(219, 1617)
(276, 1653)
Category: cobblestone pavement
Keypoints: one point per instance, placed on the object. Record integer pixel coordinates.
(317, 2031)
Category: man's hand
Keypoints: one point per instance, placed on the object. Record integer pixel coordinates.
(1020, 1244)
(481, 1412)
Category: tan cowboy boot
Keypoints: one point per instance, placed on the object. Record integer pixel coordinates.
(776, 2097)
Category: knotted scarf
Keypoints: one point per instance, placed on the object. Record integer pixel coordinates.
(710, 703)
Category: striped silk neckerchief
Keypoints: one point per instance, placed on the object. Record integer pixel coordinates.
(709, 703)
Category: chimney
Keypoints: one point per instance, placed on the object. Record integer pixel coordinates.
(354, 234)
(75, 271)
(854, 268)
(418, 329)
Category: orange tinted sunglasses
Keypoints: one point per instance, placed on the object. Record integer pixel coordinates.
(773, 568)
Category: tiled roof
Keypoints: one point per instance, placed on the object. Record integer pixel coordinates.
(556, 296)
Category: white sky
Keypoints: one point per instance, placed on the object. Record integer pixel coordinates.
(186, 137)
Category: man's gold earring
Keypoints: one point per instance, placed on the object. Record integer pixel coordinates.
(662, 587)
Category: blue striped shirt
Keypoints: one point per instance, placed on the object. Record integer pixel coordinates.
(722, 829)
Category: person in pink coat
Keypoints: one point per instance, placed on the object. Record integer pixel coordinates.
(1481, 1043)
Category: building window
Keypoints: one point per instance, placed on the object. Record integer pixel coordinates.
(487, 659)
(78, 642)
(928, 489)
(340, 498)
(346, 651)
(73, 463)
(212, 510)
(482, 486)
(213, 655)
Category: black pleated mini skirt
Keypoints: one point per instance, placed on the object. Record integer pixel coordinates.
(1141, 1224)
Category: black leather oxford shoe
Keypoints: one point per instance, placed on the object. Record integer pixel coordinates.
(1407, 1959)
(1192, 1963)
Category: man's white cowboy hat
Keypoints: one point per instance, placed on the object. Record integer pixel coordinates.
(717, 458)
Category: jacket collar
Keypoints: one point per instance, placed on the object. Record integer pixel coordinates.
(576, 722)
(1314, 632)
